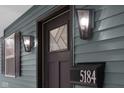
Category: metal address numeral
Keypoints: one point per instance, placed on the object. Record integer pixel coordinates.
(88, 76)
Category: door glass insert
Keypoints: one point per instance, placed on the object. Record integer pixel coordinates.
(58, 38)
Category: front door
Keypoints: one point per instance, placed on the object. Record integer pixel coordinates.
(57, 45)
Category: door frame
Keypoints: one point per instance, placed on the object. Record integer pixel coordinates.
(41, 81)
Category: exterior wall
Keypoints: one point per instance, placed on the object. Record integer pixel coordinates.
(26, 24)
(107, 43)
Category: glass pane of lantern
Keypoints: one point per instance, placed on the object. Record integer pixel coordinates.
(83, 18)
(58, 38)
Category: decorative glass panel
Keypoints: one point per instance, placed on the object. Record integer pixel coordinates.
(58, 38)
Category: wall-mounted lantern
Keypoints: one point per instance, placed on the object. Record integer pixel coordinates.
(28, 42)
(86, 23)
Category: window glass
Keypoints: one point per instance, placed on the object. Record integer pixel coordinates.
(10, 56)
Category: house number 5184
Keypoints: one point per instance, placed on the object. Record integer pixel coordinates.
(88, 76)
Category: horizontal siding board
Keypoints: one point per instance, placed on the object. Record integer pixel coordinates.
(115, 67)
(109, 11)
(113, 86)
(90, 43)
(28, 53)
(21, 80)
(29, 67)
(26, 57)
(29, 78)
(26, 60)
(104, 35)
(99, 47)
(22, 84)
(29, 62)
(18, 86)
(28, 73)
(114, 78)
(110, 22)
(116, 55)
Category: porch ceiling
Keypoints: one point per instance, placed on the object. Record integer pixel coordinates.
(9, 13)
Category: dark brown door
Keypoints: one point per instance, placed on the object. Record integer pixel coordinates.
(57, 50)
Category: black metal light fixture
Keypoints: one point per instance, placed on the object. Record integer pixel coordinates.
(86, 23)
(28, 42)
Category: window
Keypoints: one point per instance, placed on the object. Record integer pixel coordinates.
(58, 38)
(12, 55)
